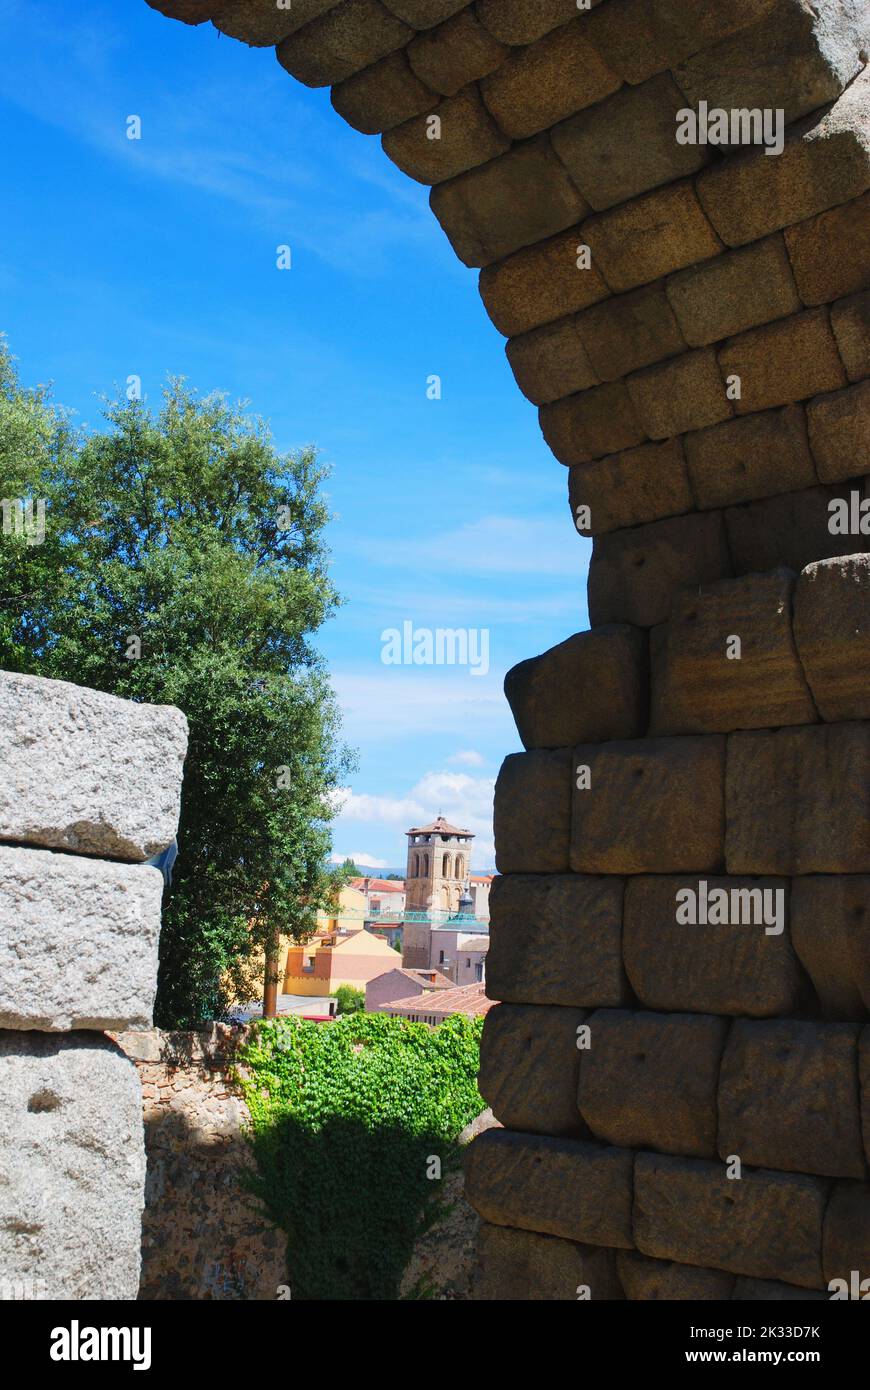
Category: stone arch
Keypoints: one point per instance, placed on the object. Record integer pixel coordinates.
(690, 318)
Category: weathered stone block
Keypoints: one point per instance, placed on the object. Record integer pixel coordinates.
(773, 1291)
(649, 1080)
(529, 1065)
(850, 320)
(826, 161)
(830, 254)
(513, 201)
(734, 967)
(864, 1088)
(783, 362)
(522, 21)
(551, 79)
(766, 1224)
(261, 23)
(634, 574)
(648, 805)
(686, 393)
(629, 331)
(551, 362)
(625, 145)
(646, 1281)
(788, 1097)
(792, 529)
(85, 771)
(342, 41)
(456, 53)
(839, 427)
(101, 920)
(522, 1266)
(188, 11)
(798, 800)
(847, 1234)
(715, 686)
(468, 137)
(591, 424)
(424, 14)
(641, 37)
(540, 284)
(633, 487)
(733, 292)
(832, 632)
(753, 456)
(590, 688)
(532, 813)
(557, 940)
(651, 236)
(558, 1187)
(796, 59)
(382, 96)
(72, 1156)
(830, 929)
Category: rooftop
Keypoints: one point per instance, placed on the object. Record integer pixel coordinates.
(462, 999)
(440, 826)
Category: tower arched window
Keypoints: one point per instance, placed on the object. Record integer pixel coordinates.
(415, 866)
(426, 865)
(459, 866)
(445, 866)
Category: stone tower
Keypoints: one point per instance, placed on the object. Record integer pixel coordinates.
(439, 856)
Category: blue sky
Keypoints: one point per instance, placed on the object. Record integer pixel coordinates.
(158, 256)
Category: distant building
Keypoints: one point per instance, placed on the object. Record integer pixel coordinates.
(331, 958)
(402, 984)
(385, 906)
(479, 886)
(460, 953)
(433, 1008)
(439, 858)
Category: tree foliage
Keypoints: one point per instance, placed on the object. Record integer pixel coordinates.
(186, 530)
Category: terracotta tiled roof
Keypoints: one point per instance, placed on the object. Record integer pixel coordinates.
(378, 885)
(462, 999)
(425, 977)
(438, 827)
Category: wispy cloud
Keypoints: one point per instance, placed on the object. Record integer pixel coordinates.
(490, 545)
(468, 758)
(248, 137)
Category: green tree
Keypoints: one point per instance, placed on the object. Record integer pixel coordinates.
(350, 1000)
(187, 531)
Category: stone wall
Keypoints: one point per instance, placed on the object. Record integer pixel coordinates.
(690, 318)
(203, 1235)
(89, 788)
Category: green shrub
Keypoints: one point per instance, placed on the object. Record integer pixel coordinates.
(350, 1000)
(346, 1120)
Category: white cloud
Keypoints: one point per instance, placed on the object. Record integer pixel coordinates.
(467, 757)
(461, 798)
(400, 700)
(361, 859)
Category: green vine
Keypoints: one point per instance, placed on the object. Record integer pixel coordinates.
(349, 1122)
